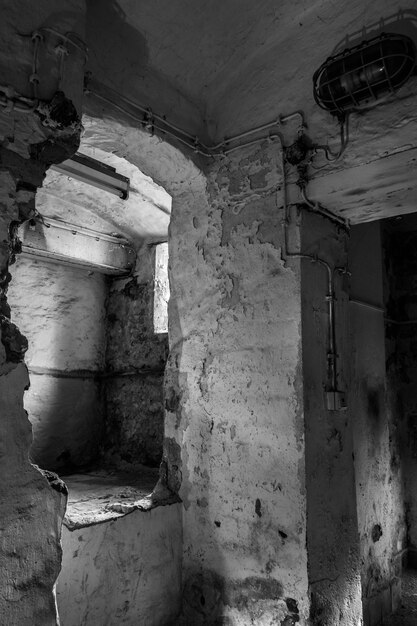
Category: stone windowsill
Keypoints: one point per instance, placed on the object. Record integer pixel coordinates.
(101, 496)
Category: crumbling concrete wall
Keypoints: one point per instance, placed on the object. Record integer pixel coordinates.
(378, 476)
(31, 513)
(235, 433)
(400, 238)
(39, 125)
(61, 311)
(135, 361)
(332, 537)
(127, 571)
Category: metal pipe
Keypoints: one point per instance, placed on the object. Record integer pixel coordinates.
(76, 229)
(227, 140)
(323, 211)
(330, 298)
(380, 309)
(332, 156)
(191, 141)
(367, 305)
(210, 148)
(165, 131)
(258, 129)
(146, 110)
(247, 144)
(17, 105)
(80, 45)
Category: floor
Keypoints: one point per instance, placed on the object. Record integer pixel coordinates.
(407, 615)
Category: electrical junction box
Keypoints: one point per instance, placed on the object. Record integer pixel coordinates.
(336, 400)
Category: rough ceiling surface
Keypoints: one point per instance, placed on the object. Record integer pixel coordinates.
(230, 59)
(219, 68)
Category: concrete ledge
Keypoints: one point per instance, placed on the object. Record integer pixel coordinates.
(103, 496)
(124, 571)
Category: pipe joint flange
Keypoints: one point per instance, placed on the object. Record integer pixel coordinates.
(37, 36)
(60, 49)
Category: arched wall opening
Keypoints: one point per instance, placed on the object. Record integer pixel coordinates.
(97, 355)
(84, 292)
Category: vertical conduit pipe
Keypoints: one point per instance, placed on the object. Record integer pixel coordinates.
(330, 297)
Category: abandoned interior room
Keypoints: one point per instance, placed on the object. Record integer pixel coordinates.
(208, 313)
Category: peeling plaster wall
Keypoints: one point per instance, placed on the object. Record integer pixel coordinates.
(401, 266)
(134, 426)
(332, 533)
(61, 311)
(379, 492)
(123, 572)
(235, 444)
(31, 510)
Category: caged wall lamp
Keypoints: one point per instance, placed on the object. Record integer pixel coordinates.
(364, 73)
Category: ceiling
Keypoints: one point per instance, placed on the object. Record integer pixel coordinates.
(222, 67)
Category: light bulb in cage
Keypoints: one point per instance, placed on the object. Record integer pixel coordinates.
(364, 73)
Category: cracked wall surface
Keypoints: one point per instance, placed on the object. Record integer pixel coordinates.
(234, 402)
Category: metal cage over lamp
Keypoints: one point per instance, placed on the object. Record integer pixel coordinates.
(364, 73)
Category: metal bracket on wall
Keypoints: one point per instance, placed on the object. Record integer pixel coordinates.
(336, 400)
